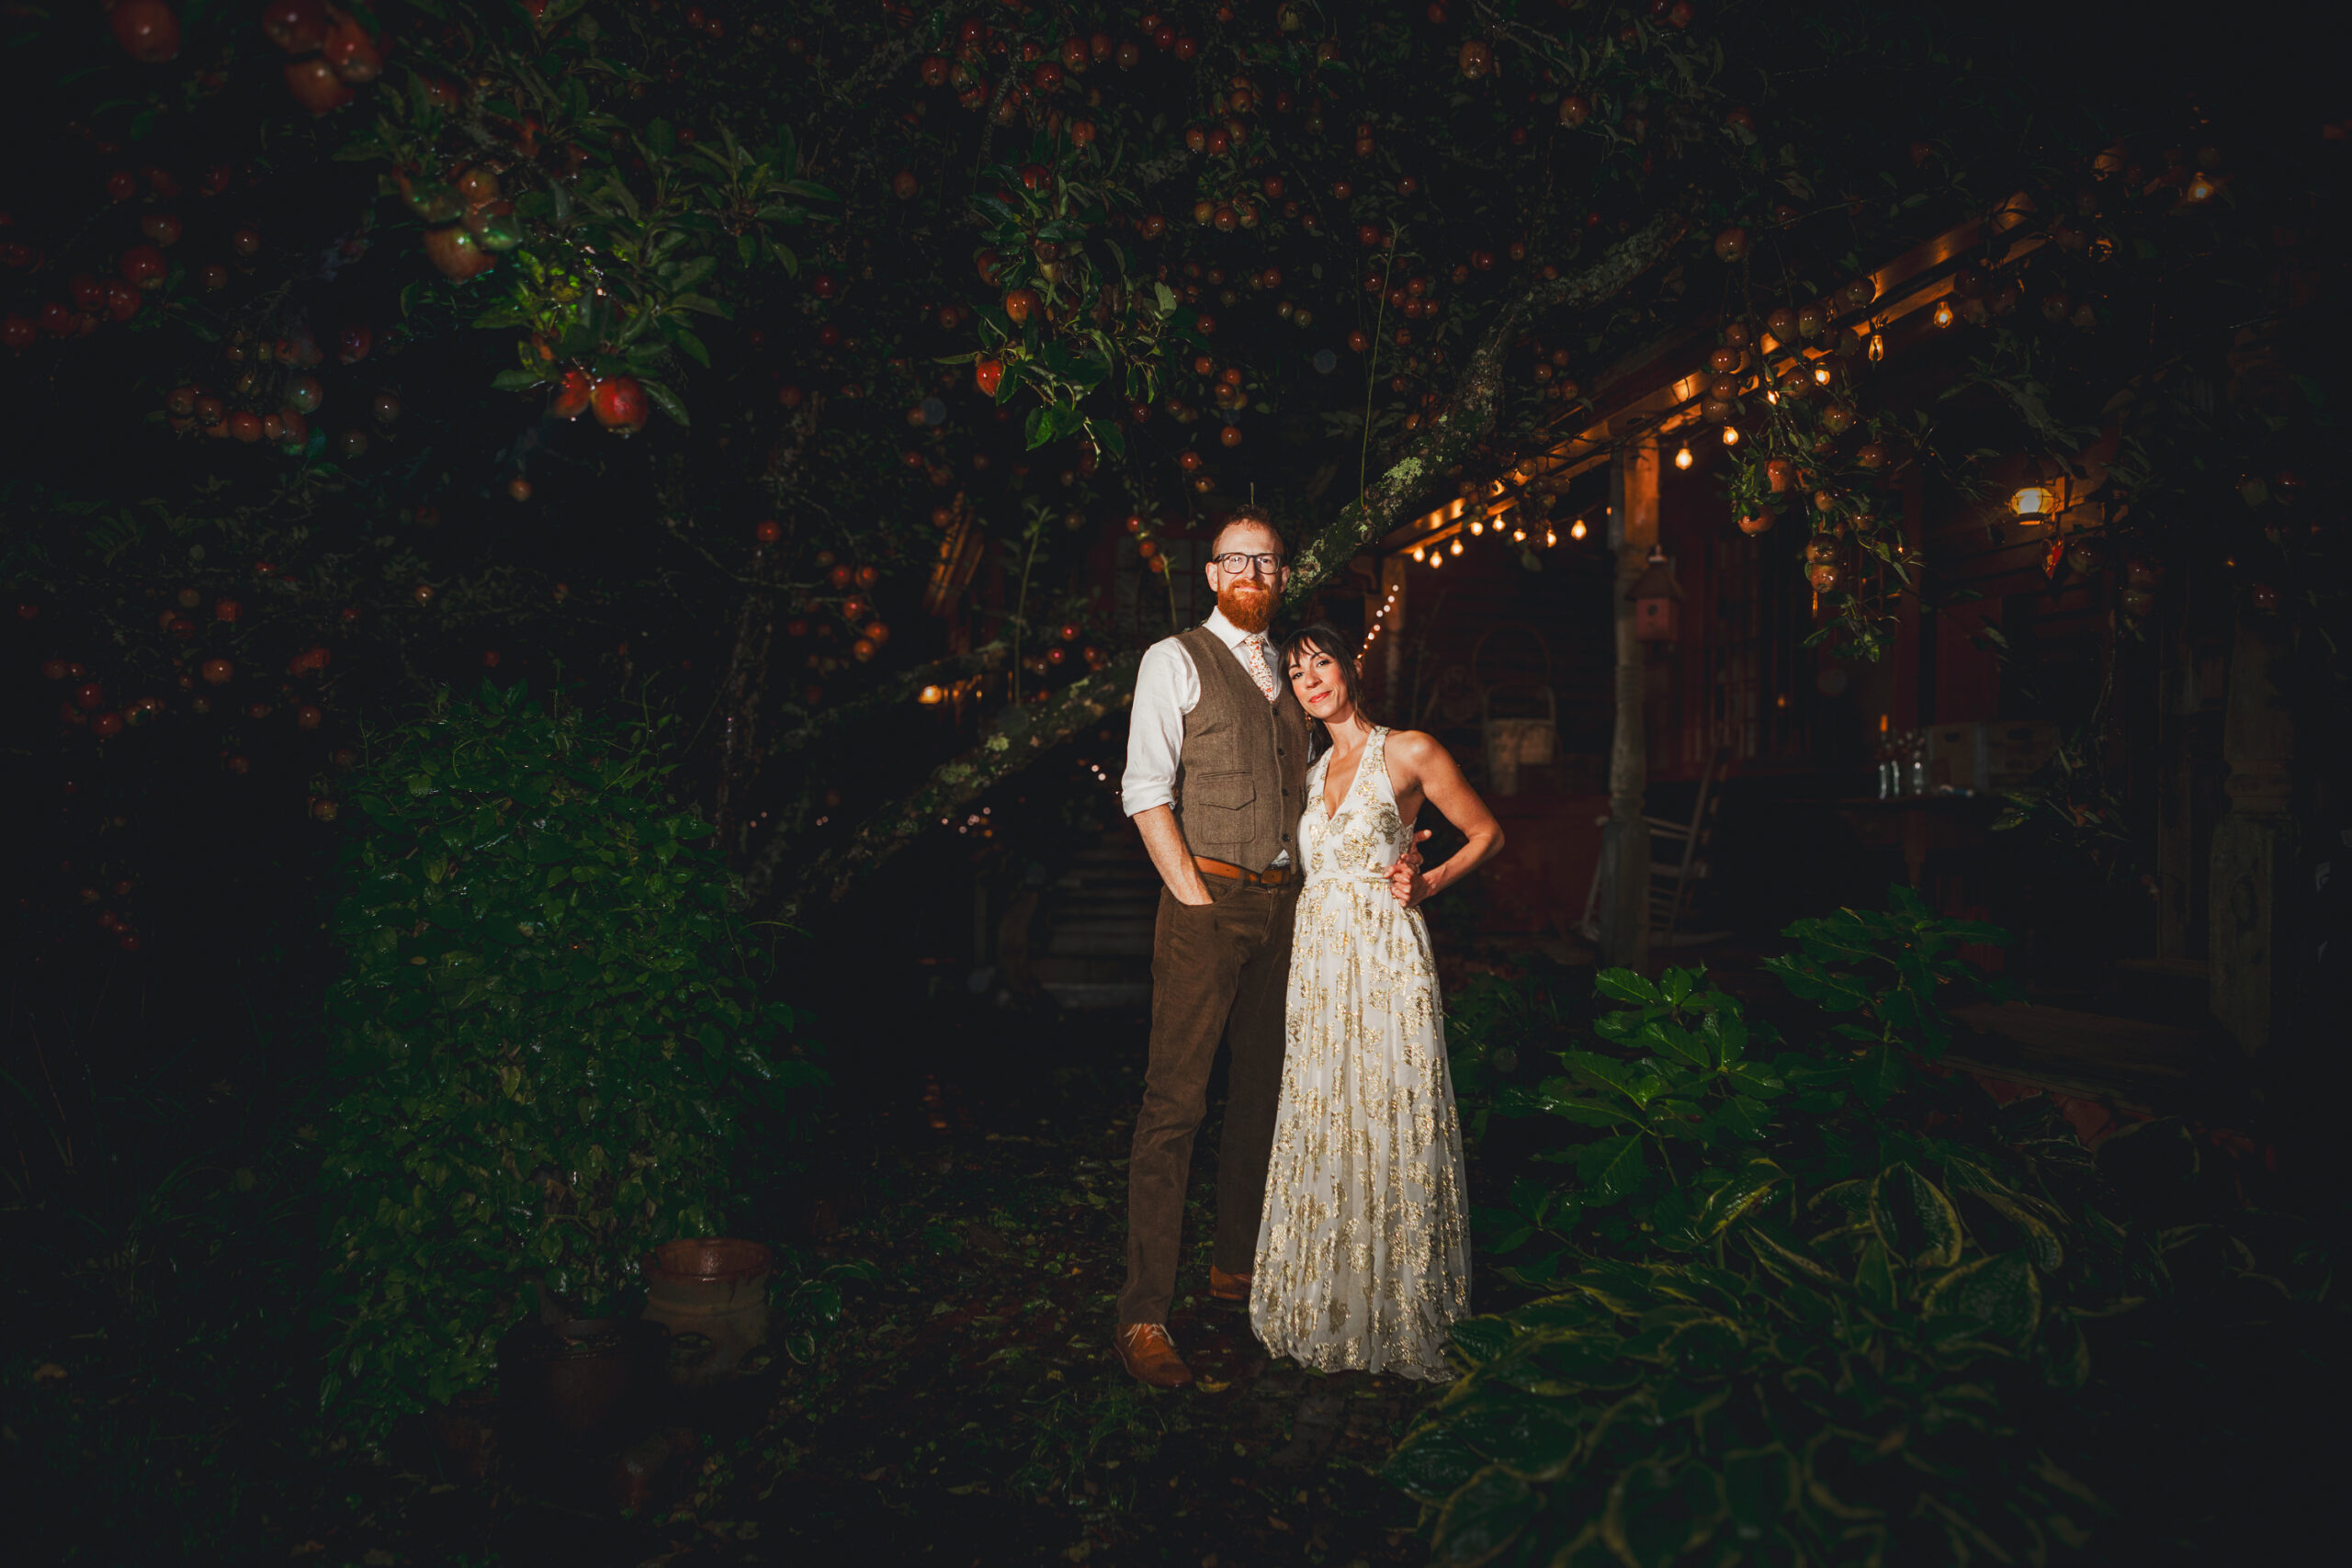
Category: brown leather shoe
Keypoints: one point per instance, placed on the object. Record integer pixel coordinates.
(1228, 1287)
(1150, 1355)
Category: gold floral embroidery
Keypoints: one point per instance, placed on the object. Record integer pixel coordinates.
(1363, 1256)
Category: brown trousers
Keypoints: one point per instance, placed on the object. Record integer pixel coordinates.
(1218, 970)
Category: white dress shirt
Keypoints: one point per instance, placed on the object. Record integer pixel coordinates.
(1166, 688)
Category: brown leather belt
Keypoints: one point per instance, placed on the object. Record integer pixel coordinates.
(1272, 876)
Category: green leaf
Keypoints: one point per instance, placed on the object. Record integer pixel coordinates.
(1432, 1464)
(1483, 1518)
(1914, 1218)
(515, 380)
(665, 399)
(1747, 1186)
(1874, 1277)
(1637, 1084)
(1612, 1167)
(1760, 1484)
(1625, 985)
(2001, 1293)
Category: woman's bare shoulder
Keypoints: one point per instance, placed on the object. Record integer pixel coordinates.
(1415, 747)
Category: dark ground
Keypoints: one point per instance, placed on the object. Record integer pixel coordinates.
(967, 1409)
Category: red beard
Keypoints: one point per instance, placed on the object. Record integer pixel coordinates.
(1247, 605)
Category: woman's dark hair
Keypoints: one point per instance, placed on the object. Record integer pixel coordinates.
(1324, 637)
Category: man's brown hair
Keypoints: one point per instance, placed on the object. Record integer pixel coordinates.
(1251, 513)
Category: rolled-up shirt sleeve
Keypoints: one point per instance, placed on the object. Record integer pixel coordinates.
(1166, 688)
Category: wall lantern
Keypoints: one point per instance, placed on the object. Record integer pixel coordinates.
(1657, 601)
(2034, 503)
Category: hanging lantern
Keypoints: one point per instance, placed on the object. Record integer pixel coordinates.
(2034, 503)
(1657, 601)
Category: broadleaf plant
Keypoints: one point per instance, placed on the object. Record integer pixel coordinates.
(549, 1042)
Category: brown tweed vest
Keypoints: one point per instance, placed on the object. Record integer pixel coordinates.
(1241, 780)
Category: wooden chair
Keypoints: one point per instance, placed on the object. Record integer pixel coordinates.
(1677, 859)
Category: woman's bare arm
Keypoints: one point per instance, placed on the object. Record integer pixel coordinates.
(1419, 769)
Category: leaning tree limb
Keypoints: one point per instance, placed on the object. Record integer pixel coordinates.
(1469, 415)
(1024, 735)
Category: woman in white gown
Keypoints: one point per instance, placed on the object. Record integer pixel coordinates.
(1363, 1255)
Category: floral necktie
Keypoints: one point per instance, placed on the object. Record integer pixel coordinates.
(1253, 656)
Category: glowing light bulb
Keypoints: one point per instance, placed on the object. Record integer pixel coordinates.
(1417, 553)
(1577, 530)
(1731, 436)
(1455, 547)
(1436, 561)
(1878, 348)
(1945, 315)
(1477, 527)
(1682, 458)
(1518, 536)
(1821, 374)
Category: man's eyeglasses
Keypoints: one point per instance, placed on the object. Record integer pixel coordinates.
(1238, 561)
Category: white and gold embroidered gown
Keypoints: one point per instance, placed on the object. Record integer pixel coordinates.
(1363, 1259)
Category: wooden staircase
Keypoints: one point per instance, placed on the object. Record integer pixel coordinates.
(1092, 936)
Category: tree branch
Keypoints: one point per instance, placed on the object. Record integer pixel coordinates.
(1470, 415)
(1022, 736)
(1025, 734)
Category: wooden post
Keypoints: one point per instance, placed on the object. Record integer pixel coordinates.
(2253, 852)
(2176, 795)
(1624, 912)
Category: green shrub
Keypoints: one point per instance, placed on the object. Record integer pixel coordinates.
(1804, 1305)
(547, 1041)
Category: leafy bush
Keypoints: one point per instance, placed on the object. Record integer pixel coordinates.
(548, 1041)
(1805, 1307)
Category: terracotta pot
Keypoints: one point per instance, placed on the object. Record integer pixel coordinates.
(585, 1377)
(718, 1287)
(467, 1429)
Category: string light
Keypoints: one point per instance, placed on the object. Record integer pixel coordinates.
(1577, 530)
(1944, 313)
(1682, 458)
(1418, 554)
(1821, 374)
(1477, 528)
(1878, 348)
(1518, 536)
(1731, 436)
(1436, 561)
(1455, 547)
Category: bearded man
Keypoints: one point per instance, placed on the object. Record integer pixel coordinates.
(1215, 781)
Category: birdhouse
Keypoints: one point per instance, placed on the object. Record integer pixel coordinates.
(1657, 601)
